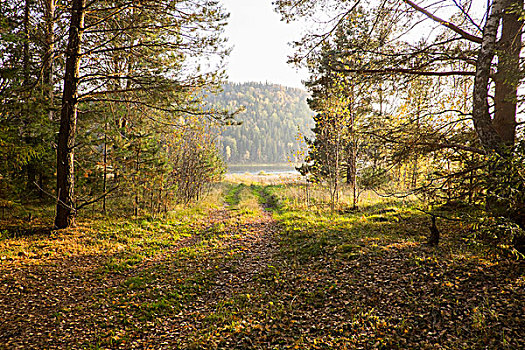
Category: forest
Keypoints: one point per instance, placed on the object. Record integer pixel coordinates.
(403, 228)
(102, 97)
(272, 122)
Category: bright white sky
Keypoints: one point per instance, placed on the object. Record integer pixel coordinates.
(260, 44)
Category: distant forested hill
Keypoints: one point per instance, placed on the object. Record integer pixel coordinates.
(274, 115)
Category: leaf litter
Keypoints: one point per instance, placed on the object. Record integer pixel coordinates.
(238, 281)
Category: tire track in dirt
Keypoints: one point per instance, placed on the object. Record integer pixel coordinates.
(52, 305)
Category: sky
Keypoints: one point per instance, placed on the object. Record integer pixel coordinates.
(260, 44)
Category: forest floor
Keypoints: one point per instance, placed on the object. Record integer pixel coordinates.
(258, 272)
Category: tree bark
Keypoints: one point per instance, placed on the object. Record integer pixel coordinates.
(489, 138)
(49, 55)
(507, 77)
(26, 43)
(65, 216)
(104, 184)
(30, 168)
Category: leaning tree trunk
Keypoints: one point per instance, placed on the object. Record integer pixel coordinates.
(487, 135)
(65, 215)
(507, 77)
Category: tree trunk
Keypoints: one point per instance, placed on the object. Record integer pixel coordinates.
(507, 77)
(489, 138)
(105, 175)
(49, 55)
(30, 168)
(349, 168)
(137, 164)
(26, 43)
(66, 212)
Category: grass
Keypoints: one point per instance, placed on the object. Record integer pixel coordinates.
(251, 268)
(244, 199)
(263, 178)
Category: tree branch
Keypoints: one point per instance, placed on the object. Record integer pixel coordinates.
(53, 196)
(438, 145)
(404, 71)
(447, 24)
(96, 199)
(330, 32)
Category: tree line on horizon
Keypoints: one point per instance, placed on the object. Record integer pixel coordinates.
(273, 117)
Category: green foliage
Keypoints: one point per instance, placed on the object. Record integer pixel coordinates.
(139, 95)
(501, 233)
(195, 162)
(152, 166)
(232, 195)
(505, 184)
(346, 119)
(371, 178)
(27, 133)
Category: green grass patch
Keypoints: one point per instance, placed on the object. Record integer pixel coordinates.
(232, 194)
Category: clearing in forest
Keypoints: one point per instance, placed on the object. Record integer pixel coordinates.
(259, 272)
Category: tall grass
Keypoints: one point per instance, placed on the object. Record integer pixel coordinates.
(263, 179)
(316, 197)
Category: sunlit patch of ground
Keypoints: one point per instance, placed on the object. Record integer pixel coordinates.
(264, 178)
(257, 270)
